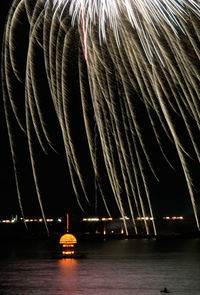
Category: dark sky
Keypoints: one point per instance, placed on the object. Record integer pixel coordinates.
(169, 196)
(7, 179)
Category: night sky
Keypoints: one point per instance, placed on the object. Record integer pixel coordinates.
(169, 196)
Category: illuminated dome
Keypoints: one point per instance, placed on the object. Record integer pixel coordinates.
(68, 239)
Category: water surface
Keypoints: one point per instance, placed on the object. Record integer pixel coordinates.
(114, 267)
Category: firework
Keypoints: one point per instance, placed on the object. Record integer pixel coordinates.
(106, 62)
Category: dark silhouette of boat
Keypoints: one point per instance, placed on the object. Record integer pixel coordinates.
(165, 290)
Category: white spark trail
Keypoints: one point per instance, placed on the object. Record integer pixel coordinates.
(128, 69)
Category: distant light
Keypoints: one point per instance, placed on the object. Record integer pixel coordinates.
(145, 218)
(59, 219)
(106, 218)
(125, 217)
(91, 219)
(6, 221)
(49, 219)
(173, 218)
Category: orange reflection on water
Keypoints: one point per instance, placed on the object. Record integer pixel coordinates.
(68, 273)
(67, 265)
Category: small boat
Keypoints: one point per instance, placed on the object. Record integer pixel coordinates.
(165, 290)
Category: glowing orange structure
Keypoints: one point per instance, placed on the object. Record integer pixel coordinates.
(68, 241)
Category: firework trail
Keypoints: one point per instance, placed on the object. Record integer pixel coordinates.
(106, 63)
